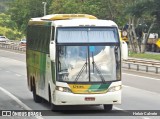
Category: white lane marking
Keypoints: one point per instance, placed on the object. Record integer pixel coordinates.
(117, 108)
(8, 71)
(155, 93)
(145, 118)
(18, 75)
(142, 76)
(17, 100)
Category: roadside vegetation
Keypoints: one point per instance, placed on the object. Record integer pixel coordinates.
(152, 56)
(9, 28)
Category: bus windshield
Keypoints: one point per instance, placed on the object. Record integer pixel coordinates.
(87, 63)
(98, 62)
(87, 35)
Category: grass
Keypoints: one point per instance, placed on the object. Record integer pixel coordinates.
(151, 56)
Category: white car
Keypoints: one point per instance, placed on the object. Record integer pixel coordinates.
(3, 39)
(23, 42)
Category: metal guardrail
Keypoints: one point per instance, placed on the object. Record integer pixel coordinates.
(12, 46)
(145, 63)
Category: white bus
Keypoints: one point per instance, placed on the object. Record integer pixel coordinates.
(74, 59)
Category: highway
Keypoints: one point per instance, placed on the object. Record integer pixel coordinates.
(141, 91)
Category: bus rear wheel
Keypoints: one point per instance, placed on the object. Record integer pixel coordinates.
(108, 107)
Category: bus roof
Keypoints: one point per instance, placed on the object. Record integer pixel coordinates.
(84, 22)
(68, 20)
(67, 16)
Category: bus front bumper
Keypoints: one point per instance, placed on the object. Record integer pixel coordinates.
(64, 98)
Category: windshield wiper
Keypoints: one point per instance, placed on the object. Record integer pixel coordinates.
(96, 67)
(59, 65)
(81, 71)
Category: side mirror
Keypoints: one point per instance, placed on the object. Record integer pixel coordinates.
(52, 50)
(124, 50)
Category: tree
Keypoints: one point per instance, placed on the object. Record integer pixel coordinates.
(103, 9)
(8, 27)
(139, 13)
(3, 5)
(5, 21)
(22, 10)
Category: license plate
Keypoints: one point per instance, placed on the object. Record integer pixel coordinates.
(89, 98)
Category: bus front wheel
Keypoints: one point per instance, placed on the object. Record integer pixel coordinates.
(53, 107)
(108, 107)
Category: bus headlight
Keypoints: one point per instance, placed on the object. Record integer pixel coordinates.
(63, 89)
(115, 88)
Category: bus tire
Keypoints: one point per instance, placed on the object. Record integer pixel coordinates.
(108, 107)
(36, 98)
(55, 108)
(52, 106)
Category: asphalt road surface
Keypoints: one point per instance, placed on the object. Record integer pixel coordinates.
(141, 91)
